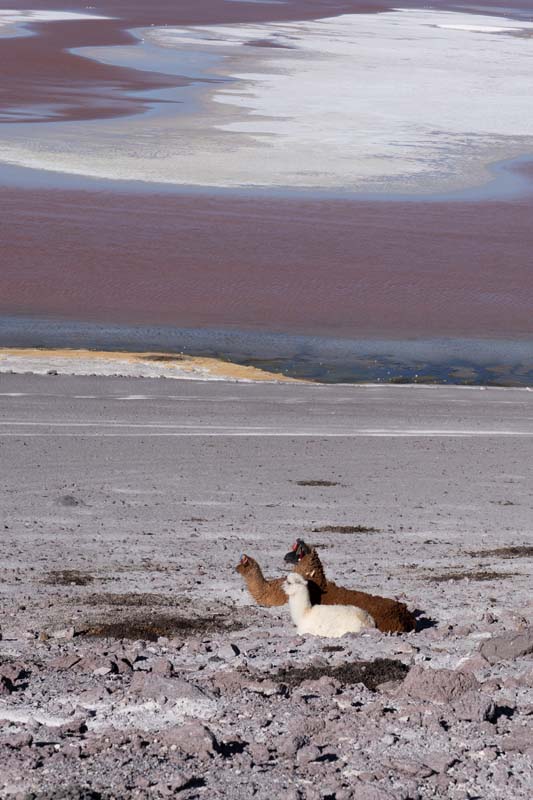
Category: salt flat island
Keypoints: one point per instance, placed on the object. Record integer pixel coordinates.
(404, 101)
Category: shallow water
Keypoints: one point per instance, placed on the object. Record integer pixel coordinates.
(463, 361)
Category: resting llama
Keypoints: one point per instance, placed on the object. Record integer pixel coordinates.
(265, 593)
(390, 616)
(331, 621)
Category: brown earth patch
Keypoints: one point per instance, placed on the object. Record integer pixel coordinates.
(370, 673)
(313, 482)
(151, 628)
(482, 575)
(345, 529)
(134, 599)
(515, 551)
(69, 501)
(68, 577)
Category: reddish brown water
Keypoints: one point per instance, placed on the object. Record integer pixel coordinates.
(342, 268)
(331, 267)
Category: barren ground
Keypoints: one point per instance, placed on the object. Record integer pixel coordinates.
(134, 664)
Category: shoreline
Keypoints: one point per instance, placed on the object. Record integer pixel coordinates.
(79, 362)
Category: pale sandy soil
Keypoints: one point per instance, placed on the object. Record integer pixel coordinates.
(126, 503)
(135, 365)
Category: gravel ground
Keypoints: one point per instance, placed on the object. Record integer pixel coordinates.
(134, 664)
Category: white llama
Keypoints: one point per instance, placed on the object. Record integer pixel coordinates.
(332, 621)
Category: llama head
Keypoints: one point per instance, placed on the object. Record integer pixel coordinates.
(246, 565)
(297, 552)
(294, 584)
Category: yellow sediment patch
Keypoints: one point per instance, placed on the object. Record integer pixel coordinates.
(153, 364)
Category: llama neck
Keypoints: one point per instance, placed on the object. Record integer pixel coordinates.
(298, 604)
(310, 568)
(255, 582)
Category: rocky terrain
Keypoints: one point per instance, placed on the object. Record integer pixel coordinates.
(134, 664)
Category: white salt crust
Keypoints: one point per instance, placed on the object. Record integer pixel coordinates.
(406, 101)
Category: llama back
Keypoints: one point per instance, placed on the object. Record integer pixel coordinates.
(335, 621)
(391, 616)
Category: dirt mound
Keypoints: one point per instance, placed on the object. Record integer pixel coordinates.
(370, 673)
(345, 529)
(151, 628)
(482, 575)
(68, 577)
(312, 482)
(135, 599)
(515, 551)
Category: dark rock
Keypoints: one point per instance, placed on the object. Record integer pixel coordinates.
(6, 685)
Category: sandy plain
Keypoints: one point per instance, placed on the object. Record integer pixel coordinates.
(133, 662)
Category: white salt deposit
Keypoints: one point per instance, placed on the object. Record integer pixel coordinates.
(407, 101)
(10, 19)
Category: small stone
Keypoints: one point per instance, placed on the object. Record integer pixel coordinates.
(162, 666)
(64, 633)
(74, 726)
(101, 671)
(411, 767)
(508, 646)
(267, 688)
(13, 671)
(437, 685)
(474, 663)
(65, 662)
(156, 686)
(93, 663)
(307, 754)
(516, 742)
(439, 762)
(289, 745)
(17, 740)
(259, 752)
(323, 687)
(474, 707)
(228, 651)
(192, 738)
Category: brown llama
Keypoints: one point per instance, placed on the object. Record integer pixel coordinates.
(390, 616)
(265, 592)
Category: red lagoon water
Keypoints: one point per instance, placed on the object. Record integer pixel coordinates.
(300, 266)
